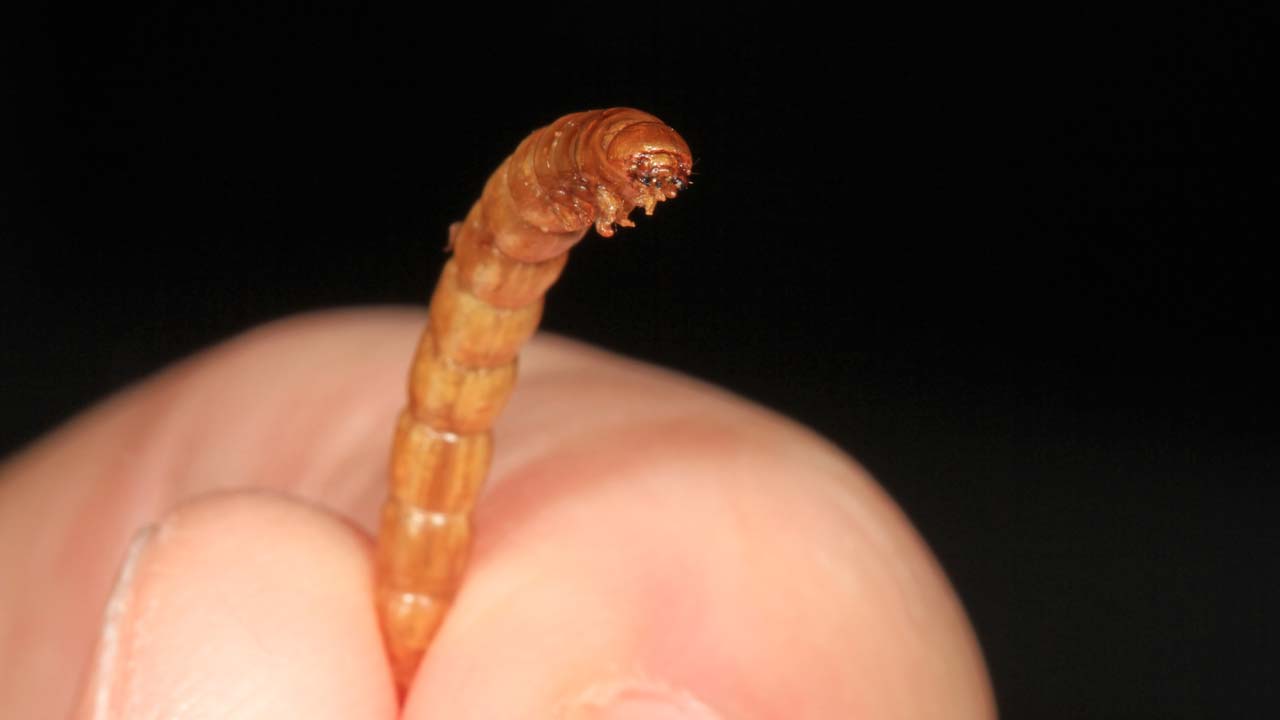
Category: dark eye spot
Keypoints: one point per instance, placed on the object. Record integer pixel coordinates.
(644, 180)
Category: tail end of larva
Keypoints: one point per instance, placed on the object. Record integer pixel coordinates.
(409, 622)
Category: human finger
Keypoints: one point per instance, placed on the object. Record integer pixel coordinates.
(242, 605)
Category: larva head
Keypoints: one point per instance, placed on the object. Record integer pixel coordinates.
(655, 159)
(644, 163)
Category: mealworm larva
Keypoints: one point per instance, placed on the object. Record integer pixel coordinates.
(587, 168)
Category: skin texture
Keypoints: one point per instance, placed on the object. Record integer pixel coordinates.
(646, 542)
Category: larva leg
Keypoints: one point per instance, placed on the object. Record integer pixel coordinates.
(590, 168)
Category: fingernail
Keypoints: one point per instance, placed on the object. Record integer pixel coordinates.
(654, 709)
(100, 700)
(639, 700)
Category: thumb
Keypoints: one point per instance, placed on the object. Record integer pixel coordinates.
(678, 553)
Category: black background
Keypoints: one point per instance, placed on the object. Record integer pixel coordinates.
(1089, 191)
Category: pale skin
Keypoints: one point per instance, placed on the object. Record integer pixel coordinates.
(645, 541)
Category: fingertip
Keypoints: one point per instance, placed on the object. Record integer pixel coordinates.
(243, 605)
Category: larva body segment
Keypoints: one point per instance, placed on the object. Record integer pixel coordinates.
(589, 168)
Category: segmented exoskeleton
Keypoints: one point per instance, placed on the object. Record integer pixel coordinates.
(587, 168)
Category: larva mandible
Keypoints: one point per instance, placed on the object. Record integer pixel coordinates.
(587, 168)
